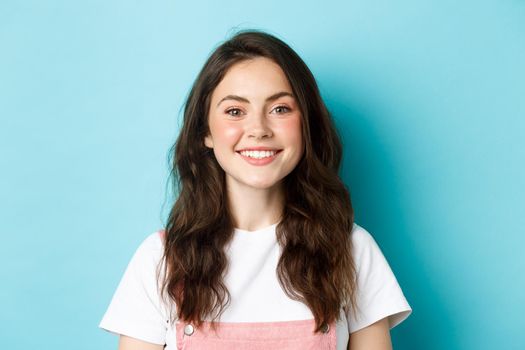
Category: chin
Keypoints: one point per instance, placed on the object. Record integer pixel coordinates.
(261, 184)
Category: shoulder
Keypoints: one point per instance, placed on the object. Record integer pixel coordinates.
(137, 308)
(361, 238)
(367, 254)
(378, 292)
(153, 242)
(151, 249)
(359, 234)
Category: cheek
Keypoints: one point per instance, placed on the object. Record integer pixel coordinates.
(291, 130)
(225, 134)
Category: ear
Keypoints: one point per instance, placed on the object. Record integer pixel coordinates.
(208, 141)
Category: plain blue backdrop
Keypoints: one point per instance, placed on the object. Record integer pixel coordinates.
(429, 97)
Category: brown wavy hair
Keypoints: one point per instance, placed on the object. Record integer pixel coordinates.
(316, 266)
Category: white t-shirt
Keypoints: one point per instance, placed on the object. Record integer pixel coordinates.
(137, 311)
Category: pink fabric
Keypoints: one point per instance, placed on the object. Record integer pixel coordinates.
(289, 335)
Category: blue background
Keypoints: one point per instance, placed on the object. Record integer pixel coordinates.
(428, 97)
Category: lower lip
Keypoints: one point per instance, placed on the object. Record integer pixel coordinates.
(262, 161)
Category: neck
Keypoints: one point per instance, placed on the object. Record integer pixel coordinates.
(253, 208)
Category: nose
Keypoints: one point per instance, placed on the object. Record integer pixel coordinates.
(258, 127)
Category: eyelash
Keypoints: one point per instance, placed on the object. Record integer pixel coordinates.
(238, 109)
(284, 107)
(233, 109)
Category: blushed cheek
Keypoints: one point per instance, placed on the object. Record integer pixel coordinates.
(226, 134)
(291, 130)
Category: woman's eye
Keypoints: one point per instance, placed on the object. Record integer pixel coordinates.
(234, 112)
(281, 109)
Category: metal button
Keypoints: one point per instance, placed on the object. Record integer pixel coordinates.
(188, 329)
(325, 328)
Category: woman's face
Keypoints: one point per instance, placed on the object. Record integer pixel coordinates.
(255, 125)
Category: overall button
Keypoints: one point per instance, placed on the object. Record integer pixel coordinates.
(188, 329)
(325, 328)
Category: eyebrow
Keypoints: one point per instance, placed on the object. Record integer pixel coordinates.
(244, 99)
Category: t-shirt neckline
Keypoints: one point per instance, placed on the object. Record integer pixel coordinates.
(261, 230)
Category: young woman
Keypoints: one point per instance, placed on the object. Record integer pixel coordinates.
(260, 250)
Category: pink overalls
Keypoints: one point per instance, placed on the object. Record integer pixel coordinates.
(288, 335)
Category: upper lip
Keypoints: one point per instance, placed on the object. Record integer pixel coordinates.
(258, 149)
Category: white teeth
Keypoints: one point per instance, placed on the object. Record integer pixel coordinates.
(258, 154)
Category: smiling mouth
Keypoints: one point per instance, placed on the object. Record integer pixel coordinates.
(259, 154)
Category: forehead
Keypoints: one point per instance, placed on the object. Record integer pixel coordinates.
(254, 78)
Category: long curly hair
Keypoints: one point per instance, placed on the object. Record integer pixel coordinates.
(316, 266)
